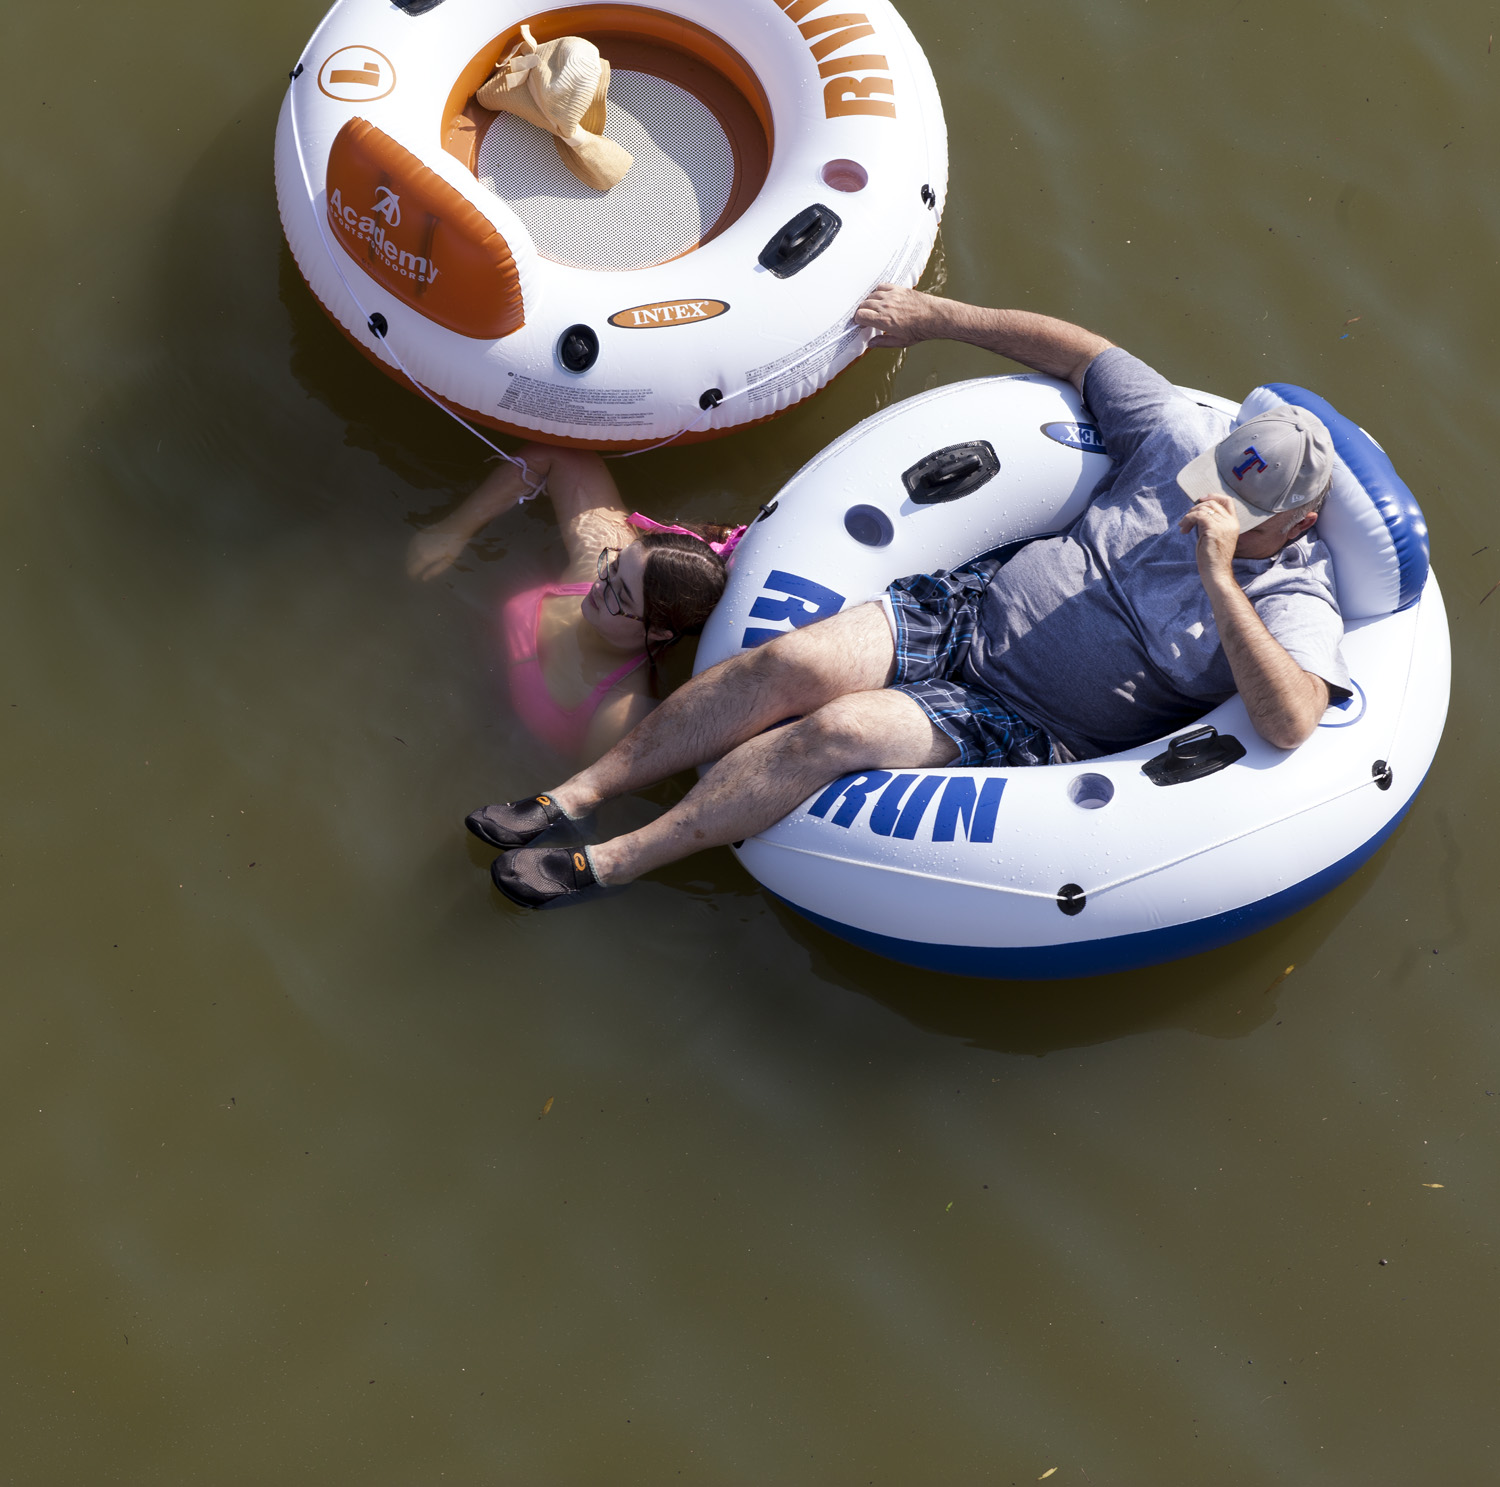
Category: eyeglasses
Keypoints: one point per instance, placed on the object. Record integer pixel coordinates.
(609, 570)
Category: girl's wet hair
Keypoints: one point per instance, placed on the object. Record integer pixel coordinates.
(682, 580)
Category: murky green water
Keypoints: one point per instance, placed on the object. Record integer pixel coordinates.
(277, 1198)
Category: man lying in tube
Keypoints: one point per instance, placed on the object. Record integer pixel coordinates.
(1194, 573)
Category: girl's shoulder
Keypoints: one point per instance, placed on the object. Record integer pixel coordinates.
(560, 610)
(569, 647)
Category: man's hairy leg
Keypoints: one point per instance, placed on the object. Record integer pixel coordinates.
(794, 675)
(756, 784)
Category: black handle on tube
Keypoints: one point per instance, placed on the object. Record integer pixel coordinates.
(802, 239)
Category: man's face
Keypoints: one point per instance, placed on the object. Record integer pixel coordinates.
(1266, 540)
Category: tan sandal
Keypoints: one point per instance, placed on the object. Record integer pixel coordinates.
(561, 86)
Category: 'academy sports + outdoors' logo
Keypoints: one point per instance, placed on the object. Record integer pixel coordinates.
(388, 204)
(366, 229)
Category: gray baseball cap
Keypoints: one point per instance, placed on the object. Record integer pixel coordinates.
(1269, 464)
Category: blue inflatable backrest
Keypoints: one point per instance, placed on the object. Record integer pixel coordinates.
(1370, 521)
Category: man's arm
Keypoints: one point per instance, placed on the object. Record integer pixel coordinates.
(1285, 702)
(906, 316)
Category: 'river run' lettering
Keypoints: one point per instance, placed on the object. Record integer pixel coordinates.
(805, 602)
(844, 93)
(903, 799)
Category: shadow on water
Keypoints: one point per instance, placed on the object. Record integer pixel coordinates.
(1224, 993)
(221, 309)
(378, 415)
(229, 314)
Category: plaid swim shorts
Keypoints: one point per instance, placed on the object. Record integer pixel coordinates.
(936, 616)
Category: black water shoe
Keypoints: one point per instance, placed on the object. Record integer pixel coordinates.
(546, 877)
(516, 822)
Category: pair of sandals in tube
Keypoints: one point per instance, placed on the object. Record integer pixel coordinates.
(561, 86)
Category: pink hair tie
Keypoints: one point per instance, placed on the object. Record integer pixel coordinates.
(724, 548)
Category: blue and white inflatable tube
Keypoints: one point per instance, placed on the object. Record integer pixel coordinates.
(1078, 869)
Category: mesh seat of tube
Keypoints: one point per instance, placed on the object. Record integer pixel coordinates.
(670, 197)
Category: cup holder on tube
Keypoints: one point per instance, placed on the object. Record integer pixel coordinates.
(869, 525)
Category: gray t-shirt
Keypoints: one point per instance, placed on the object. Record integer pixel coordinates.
(1105, 636)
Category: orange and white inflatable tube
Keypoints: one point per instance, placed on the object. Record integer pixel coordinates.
(839, 158)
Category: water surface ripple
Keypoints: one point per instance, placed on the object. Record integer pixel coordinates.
(278, 1199)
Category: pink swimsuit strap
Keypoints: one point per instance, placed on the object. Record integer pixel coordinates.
(724, 548)
(564, 728)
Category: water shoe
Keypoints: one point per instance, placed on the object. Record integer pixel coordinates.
(546, 877)
(516, 822)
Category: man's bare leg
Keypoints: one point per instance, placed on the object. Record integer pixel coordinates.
(766, 777)
(795, 675)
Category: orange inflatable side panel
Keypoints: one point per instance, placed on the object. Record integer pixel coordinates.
(418, 237)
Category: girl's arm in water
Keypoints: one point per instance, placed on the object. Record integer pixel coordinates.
(620, 711)
(583, 494)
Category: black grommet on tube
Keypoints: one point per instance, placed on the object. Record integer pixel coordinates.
(1071, 898)
(295, 73)
(578, 348)
(766, 511)
(711, 399)
(378, 325)
(929, 198)
(1380, 772)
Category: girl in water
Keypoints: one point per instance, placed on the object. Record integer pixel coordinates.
(583, 651)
